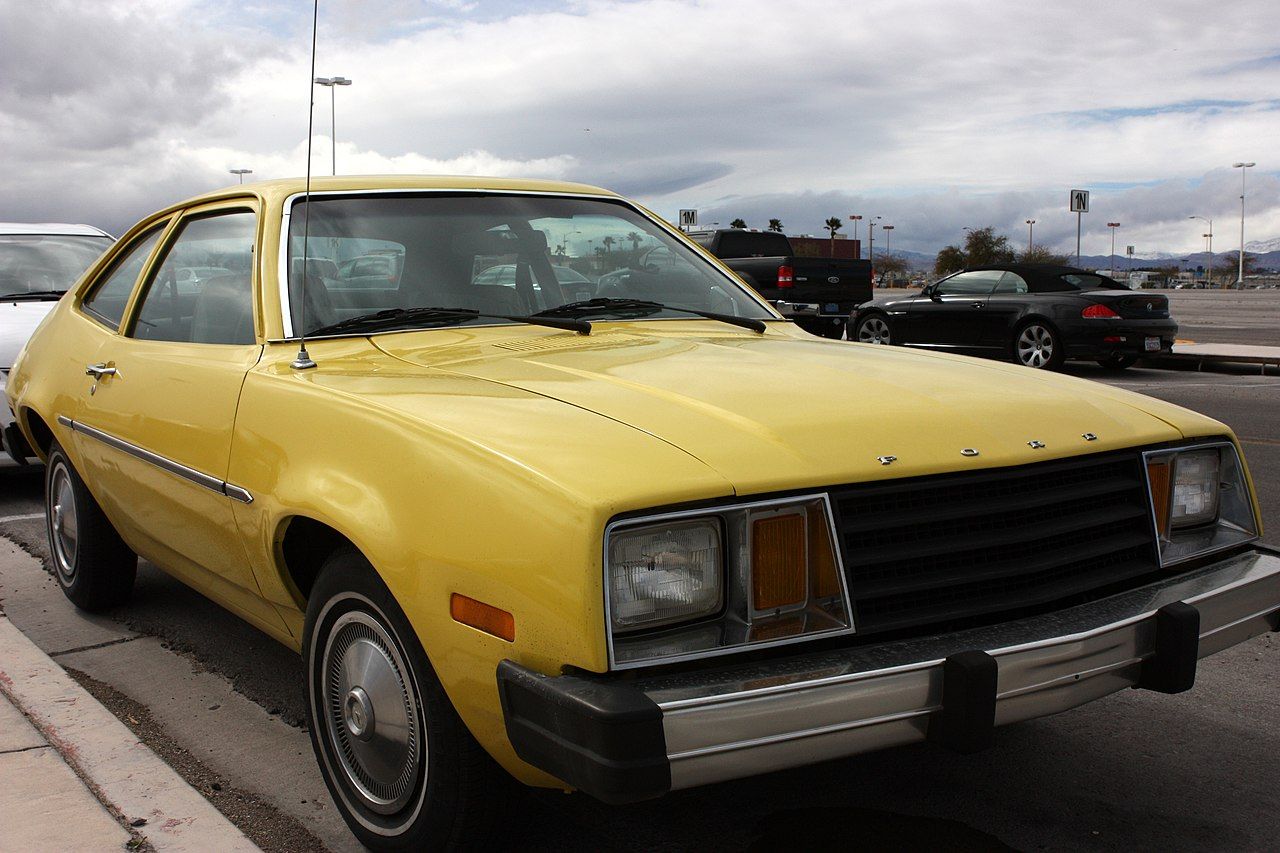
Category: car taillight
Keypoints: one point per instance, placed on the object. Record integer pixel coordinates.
(1098, 312)
(785, 277)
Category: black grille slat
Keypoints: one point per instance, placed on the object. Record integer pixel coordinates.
(1101, 488)
(931, 549)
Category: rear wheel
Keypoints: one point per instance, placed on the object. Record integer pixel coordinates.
(1037, 345)
(93, 566)
(873, 329)
(401, 766)
(1118, 361)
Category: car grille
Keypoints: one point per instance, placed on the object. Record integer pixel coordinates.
(1009, 541)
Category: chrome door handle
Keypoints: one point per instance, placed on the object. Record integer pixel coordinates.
(99, 370)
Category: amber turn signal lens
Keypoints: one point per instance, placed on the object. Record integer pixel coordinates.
(778, 564)
(1158, 477)
(483, 617)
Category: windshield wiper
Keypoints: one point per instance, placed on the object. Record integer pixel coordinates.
(394, 318)
(32, 294)
(603, 304)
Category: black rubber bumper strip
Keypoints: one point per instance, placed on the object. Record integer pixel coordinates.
(604, 739)
(967, 721)
(1173, 668)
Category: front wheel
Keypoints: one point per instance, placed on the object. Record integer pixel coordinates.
(93, 566)
(1037, 345)
(401, 766)
(1118, 361)
(873, 329)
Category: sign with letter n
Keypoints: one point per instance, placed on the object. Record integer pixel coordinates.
(688, 218)
(1079, 201)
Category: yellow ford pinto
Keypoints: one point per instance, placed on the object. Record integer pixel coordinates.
(526, 499)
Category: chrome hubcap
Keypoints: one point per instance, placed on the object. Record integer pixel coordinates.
(63, 524)
(1035, 346)
(874, 331)
(372, 718)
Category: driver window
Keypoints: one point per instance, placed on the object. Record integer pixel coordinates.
(202, 291)
(977, 282)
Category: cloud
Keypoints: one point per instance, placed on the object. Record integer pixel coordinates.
(937, 114)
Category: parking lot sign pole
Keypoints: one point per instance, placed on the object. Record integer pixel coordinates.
(1111, 261)
(1079, 205)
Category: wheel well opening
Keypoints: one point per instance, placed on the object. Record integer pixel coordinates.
(40, 432)
(307, 544)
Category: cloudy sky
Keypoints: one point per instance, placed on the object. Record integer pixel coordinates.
(934, 115)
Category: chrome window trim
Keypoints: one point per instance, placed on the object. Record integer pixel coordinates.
(282, 272)
(717, 511)
(207, 481)
(1151, 504)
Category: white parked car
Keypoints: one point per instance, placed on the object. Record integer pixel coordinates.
(38, 262)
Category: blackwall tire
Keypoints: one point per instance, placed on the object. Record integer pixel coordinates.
(1038, 345)
(93, 566)
(419, 782)
(873, 329)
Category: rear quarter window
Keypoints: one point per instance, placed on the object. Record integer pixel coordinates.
(752, 244)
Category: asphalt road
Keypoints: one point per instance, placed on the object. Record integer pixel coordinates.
(1196, 771)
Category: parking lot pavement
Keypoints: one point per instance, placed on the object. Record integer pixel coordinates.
(1194, 771)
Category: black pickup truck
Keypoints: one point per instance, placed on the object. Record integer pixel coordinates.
(818, 293)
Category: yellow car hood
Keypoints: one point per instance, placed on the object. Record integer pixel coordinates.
(785, 411)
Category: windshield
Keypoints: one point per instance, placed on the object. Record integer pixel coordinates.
(495, 254)
(31, 263)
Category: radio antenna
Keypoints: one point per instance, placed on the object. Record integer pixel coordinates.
(303, 360)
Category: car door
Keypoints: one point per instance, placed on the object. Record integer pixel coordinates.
(1004, 307)
(155, 425)
(948, 317)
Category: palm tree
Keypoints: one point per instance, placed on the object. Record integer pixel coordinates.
(833, 225)
(775, 225)
(635, 239)
(608, 242)
(738, 223)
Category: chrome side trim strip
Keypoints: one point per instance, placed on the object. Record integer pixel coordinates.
(805, 733)
(207, 481)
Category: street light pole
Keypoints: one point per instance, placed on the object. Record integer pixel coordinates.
(855, 219)
(1031, 226)
(333, 83)
(1208, 272)
(241, 173)
(871, 242)
(886, 229)
(1244, 168)
(1111, 261)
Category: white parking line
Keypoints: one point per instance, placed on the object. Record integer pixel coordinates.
(29, 517)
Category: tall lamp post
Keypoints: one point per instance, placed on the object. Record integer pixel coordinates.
(1111, 261)
(1031, 230)
(1244, 168)
(855, 218)
(886, 229)
(871, 242)
(1208, 268)
(241, 173)
(333, 83)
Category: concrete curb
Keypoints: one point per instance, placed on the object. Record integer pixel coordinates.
(125, 775)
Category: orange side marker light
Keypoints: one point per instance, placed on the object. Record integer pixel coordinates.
(483, 617)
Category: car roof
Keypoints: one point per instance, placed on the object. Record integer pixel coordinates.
(61, 229)
(278, 190)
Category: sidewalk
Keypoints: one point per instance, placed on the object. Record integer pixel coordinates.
(73, 777)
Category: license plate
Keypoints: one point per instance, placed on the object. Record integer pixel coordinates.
(831, 308)
(1152, 345)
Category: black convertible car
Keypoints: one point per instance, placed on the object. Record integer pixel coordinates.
(1038, 315)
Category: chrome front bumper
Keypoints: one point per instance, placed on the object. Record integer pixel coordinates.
(628, 739)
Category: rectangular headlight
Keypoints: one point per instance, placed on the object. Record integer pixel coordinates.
(707, 582)
(1200, 500)
(665, 573)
